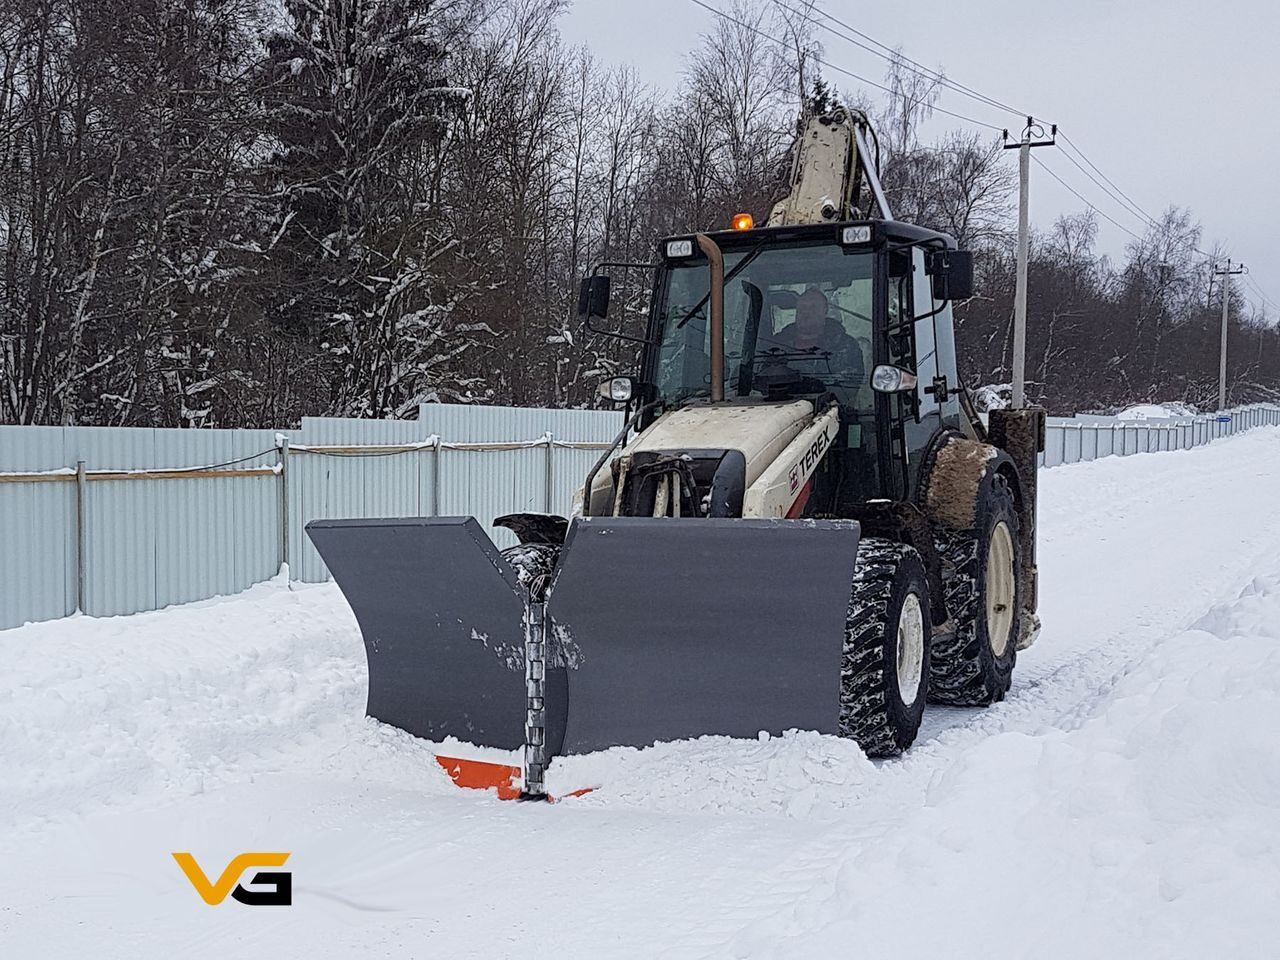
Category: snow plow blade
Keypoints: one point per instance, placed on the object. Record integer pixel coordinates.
(442, 615)
(672, 629)
(653, 630)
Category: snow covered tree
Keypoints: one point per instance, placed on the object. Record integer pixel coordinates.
(361, 103)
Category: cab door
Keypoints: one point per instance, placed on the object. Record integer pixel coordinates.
(913, 345)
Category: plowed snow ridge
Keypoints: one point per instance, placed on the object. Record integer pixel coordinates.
(1125, 800)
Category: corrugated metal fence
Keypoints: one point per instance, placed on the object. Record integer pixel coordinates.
(1072, 439)
(114, 521)
(118, 520)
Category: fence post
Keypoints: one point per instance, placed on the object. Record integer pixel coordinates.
(437, 453)
(549, 437)
(81, 551)
(282, 451)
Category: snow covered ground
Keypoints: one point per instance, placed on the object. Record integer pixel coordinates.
(1125, 800)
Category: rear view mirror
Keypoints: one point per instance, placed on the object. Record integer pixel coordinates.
(593, 298)
(952, 272)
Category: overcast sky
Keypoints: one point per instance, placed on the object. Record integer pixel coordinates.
(1178, 102)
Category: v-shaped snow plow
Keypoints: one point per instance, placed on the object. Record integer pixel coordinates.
(653, 629)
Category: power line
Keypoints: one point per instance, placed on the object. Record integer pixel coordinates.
(1128, 205)
(1105, 184)
(1183, 243)
(838, 69)
(1123, 199)
(891, 55)
(1267, 301)
(1108, 186)
(1141, 212)
(1081, 198)
(1097, 177)
(1132, 211)
(1137, 212)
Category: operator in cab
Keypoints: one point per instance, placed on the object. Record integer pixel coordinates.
(813, 329)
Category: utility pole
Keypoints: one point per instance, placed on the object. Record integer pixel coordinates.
(1023, 146)
(1226, 273)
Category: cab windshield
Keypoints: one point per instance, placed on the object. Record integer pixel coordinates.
(797, 320)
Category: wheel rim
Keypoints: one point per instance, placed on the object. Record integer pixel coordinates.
(1000, 588)
(910, 649)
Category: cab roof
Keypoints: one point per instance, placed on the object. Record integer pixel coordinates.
(881, 230)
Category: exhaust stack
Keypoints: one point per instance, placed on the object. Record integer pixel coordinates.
(715, 293)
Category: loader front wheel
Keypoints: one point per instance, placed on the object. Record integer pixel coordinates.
(534, 563)
(885, 670)
(973, 665)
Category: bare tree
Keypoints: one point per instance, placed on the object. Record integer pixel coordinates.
(746, 85)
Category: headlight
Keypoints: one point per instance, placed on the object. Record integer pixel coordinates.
(890, 379)
(860, 234)
(617, 389)
(677, 249)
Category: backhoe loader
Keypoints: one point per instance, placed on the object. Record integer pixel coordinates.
(803, 524)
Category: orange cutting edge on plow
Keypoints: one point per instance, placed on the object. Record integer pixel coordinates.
(484, 775)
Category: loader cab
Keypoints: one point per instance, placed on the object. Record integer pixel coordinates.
(809, 312)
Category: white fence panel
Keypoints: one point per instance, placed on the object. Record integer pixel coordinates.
(37, 528)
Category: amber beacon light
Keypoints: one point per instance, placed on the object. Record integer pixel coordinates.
(743, 221)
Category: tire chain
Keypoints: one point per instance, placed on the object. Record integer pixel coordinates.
(956, 678)
(864, 715)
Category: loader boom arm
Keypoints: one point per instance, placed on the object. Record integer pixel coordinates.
(831, 163)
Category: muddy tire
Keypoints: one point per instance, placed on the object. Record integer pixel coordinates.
(534, 563)
(974, 665)
(884, 673)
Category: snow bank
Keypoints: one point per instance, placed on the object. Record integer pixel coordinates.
(801, 774)
(114, 711)
(1156, 411)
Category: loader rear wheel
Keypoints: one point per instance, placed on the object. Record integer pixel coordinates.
(974, 665)
(534, 563)
(885, 670)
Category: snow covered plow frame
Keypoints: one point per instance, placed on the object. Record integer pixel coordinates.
(652, 630)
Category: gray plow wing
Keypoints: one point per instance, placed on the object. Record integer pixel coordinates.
(682, 628)
(443, 621)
